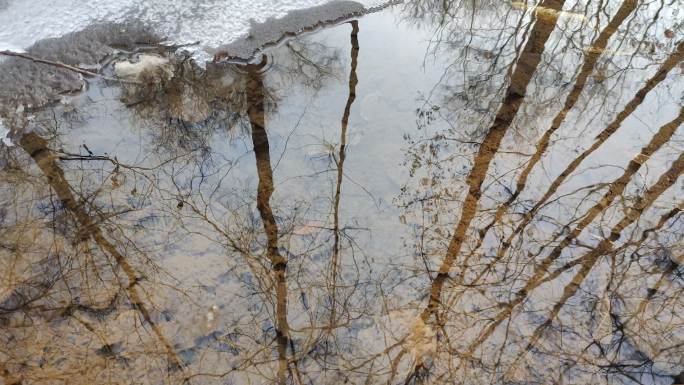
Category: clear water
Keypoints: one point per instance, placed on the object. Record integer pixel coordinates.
(469, 195)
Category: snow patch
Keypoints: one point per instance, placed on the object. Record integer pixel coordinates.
(295, 22)
(4, 134)
(144, 66)
(211, 22)
(10, 47)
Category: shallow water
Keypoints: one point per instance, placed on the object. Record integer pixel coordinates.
(481, 195)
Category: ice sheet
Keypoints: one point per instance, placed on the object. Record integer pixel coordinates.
(212, 22)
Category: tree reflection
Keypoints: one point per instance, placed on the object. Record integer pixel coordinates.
(227, 225)
(475, 297)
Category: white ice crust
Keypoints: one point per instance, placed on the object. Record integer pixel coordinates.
(4, 131)
(212, 22)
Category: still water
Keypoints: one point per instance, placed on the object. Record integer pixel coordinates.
(446, 192)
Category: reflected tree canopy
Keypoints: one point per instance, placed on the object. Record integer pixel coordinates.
(445, 192)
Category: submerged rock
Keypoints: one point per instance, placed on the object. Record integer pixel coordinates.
(421, 342)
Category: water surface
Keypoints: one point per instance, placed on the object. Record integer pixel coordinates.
(438, 193)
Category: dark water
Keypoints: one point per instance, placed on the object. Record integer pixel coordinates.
(439, 193)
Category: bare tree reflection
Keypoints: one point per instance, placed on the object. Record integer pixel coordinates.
(220, 224)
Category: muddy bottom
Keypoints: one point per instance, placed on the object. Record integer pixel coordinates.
(457, 195)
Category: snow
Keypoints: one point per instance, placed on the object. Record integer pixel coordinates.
(144, 64)
(4, 132)
(212, 22)
(262, 34)
(9, 47)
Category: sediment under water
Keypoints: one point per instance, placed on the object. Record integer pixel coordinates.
(433, 195)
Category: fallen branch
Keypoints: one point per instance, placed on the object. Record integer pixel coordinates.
(49, 62)
(63, 66)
